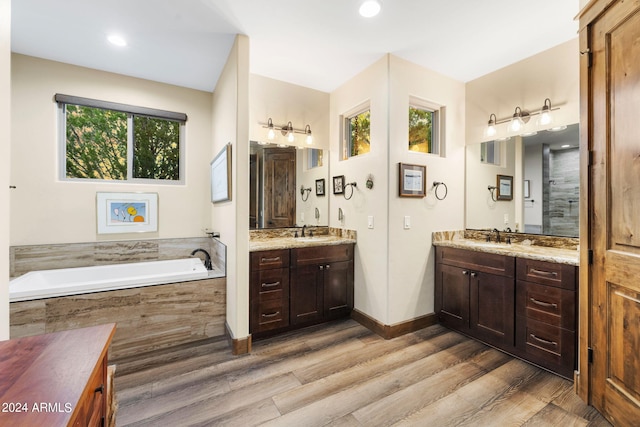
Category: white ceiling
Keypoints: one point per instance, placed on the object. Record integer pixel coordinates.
(319, 44)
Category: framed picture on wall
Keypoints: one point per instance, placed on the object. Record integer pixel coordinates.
(505, 187)
(412, 180)
(320, 187)
(338, 184)
(221, 176)
(126, 212)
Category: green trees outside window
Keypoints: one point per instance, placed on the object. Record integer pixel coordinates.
(358, 133)
(421, 130)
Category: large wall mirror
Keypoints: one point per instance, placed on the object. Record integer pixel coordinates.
(546, 176)
(288, 186)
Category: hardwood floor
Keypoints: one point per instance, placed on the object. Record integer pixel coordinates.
(341, 374)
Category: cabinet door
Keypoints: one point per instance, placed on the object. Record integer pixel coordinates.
(338, 289)
(452, 296)
(492, 308)
(307, 294)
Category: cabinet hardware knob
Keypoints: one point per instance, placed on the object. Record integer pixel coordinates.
(328, 266)
(542, 340)
(543, 273)
(270, 314)
(465, 272)
(322, 267)
(542, 303)
(270, 259)
(474, 274)
(270, 285)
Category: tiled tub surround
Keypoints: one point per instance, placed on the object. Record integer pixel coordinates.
(561, 250)
(283, 238)
(148, 318)
(46, 257)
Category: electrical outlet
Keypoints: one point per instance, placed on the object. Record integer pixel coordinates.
(370, 221)
(407, 222)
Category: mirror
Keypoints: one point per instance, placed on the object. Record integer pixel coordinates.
(288, 186)
(545, 168)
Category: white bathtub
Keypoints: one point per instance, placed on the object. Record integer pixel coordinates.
(82, 280)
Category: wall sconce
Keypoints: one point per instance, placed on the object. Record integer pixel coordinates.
(287, 130)
(520, 118)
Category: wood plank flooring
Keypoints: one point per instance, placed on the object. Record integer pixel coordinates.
(342, 374)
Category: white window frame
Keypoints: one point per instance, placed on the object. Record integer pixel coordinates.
(344, 129)
(438, 124)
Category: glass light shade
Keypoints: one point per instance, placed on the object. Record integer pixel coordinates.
(546, 118)
(516, 124)
(309, 139)
(271, 134)
(291, 137)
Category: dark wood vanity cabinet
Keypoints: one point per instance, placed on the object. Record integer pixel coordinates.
(297, 287)
(522, 306)
(269, 290)
(475, 294)
(546, 314)
(321, 283)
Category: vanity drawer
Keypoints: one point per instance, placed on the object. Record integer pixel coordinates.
(549, 346)
(270, 284)
(546, 273)
(474, 260)
(321, 254)
(269, 315)
(548, 304)
(264, 260)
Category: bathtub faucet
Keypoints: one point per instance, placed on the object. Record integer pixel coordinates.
(207, 258)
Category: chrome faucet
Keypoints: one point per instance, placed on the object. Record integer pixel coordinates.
(207, 258)
(495, 230)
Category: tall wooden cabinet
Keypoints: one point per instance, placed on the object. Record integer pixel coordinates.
(609, 375)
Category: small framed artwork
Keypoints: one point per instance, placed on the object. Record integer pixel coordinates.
(527, 189)
(127, 212)
(412, 180)
(338, 184)
(505, 187)
(320, 187)
(221, 176)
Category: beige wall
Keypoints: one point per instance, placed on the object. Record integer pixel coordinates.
(5, 163)
(45, 209)
(394, 277)
(230, 121)
(552, 74)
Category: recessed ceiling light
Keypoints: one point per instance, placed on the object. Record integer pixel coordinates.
(117, 40)
(370, 8)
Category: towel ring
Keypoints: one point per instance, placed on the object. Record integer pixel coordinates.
(437, 185)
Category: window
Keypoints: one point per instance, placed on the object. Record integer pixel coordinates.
(425, 126)
(490, 152)
(314, 157)
(357, 133)
(115, 142)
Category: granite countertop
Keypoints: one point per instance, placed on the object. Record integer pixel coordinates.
(521, 249)
(265, 240)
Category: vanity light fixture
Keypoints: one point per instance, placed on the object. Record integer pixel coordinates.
(287, 130)
(271, 134)
(546, 117)
(309, 138)
(370, 8)
(518, 120)
(491, 126)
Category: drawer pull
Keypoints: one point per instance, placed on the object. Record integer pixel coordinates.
(543, 273)
(474, 274)
(465, 272)
(270, 314)
(270, 259)
(543, 304)
(543, 340)
(99, 389)
(270, 285)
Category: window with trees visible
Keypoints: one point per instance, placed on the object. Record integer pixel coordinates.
(357, 132)
(116, 142)
(425, 126)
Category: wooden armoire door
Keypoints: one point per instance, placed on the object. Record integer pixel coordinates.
(279, 187)
(610, 43)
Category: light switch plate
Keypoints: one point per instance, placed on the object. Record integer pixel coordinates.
(370, 221)
(407, 222)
